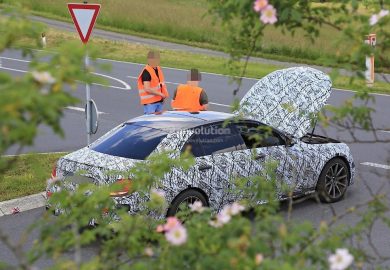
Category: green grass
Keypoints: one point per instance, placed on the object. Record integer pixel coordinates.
(187, 22)
(27, 175)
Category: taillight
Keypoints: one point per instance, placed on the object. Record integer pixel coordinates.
(48, 194)
(54, 172)
(124, 186)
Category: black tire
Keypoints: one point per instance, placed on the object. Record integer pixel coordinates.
(333, 181)
(188, 196)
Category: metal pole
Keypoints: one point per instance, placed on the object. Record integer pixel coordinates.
(88, 98)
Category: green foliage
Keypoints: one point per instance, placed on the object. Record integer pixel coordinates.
(246, 32)
(259, 237)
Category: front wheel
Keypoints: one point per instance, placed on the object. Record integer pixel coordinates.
(184, 199)
(333, 181)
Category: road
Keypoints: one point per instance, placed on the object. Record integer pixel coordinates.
(117, 103)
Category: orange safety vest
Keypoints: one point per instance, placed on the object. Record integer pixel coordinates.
(146, 97)
(187, 98)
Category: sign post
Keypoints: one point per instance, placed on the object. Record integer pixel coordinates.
(370, 61)
(84, 18)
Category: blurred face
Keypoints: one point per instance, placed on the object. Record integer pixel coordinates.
(154, 62)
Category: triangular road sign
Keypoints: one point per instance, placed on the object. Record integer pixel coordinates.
(84, 18)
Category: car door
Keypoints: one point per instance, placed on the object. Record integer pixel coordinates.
(219, 159)
(265, 144)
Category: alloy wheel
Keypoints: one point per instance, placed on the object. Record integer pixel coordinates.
(336, 180)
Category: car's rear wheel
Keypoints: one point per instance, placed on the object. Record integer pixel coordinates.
(333, 181)
(184, 199)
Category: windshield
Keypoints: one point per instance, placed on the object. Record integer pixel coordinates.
(130, 141)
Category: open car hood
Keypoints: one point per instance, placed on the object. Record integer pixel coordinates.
(287, 99)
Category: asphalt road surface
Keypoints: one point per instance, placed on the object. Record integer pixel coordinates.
(118, 102)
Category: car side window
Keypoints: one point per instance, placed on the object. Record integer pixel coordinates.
(193, 146)
(219, 139)
(258, 135)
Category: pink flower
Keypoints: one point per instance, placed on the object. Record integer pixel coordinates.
(177, 235)
(259, 258)
(374, 19)
(224, 216)
(259, 5)
(383, 13)
(268, 15)
(236, 208)
(172, 222)
(197, 207)
(215, 223)
(160, 229)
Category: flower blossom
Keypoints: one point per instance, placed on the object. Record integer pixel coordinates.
(226, 214)
(172, 222)
(177, 235)
(236, 208)
(175, 232)
(259, 5)
(383, 13)
(148, 251)
(341, 260)
(259, 258)
(376, 17)
(43, 77)
(268, 15)
(197, 206)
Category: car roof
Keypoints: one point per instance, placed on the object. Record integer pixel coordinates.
(179, 119)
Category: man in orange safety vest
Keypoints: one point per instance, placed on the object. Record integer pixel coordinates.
(151, 85)
(190, 97)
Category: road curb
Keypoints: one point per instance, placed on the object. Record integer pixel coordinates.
(22, 204)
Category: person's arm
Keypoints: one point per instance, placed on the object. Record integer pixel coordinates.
(204, 100)
(152, 90)
(146, 78)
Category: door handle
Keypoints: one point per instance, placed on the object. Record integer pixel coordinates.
(204, 167)
(259, 156)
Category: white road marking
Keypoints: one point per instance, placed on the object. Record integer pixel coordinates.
(210, 73)
(376, 165)
(219, 104)
(385, 131)
(15, 59)
(80, 109)
(127, 87)
(17, 70)
(42, 153)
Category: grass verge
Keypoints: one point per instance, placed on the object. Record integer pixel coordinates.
(124, 51)
(27, 175)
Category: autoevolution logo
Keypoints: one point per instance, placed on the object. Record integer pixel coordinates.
(211, 130)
